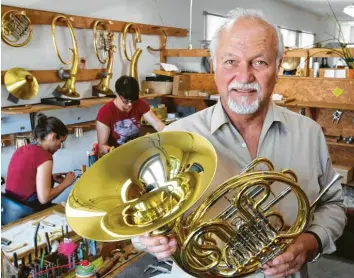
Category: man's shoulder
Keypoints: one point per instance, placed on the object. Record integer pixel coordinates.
(296, 120)
(193, 122)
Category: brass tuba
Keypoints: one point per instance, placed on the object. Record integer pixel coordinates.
(103, 41)
(70, 79)
(133, 71)
(16, 28)
(162, 176)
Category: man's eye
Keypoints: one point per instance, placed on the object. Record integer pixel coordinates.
(260, 63)
(229, 62)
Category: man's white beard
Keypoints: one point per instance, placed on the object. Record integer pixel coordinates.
(245, 108)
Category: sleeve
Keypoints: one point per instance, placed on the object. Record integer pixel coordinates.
(41, 157)
(329, 218)
(103, 115)
(144, 107)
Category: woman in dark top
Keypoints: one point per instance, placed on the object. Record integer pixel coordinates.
(29, 176)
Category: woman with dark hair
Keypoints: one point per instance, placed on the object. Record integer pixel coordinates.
(29, 176)
(119, 120)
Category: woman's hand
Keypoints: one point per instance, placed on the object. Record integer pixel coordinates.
(69, 179)
(59, 177)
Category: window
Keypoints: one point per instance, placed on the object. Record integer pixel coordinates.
(292, 38)
(347, 32)
(212, 23)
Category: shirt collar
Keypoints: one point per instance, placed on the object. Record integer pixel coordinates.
(219, 117)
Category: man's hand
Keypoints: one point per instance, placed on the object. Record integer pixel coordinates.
(301, 251)
(161, 246)
(59, 177)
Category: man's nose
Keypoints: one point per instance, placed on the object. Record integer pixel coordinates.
(244, 73)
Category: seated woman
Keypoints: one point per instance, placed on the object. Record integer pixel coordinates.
(119, 120)
(29, 176)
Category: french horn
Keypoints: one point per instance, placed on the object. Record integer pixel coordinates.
(162, 176)
(103, 42)
(16, 28)
(133, 71)
(69, 88)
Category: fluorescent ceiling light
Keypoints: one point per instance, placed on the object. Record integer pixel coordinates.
(349, 10)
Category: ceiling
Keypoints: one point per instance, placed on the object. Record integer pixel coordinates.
(321, 7)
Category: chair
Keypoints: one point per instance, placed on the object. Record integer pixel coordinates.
(12, 209)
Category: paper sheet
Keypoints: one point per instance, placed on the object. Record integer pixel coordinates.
(24, 232)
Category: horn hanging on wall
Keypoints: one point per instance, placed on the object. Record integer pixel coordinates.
(68, 89)
(103, 42)
(133, 72)
(16, 28)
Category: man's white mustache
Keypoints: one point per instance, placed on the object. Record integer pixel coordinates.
(244, 86)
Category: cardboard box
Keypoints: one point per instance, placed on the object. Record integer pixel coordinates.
(180, 85)
(345, 171)
(156, 87)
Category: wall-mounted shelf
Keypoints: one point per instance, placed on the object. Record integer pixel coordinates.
(186, 53)
(84, 103)
(327, 105)
(313, 78)
(340, 144)
(39, 17)
(51, 76)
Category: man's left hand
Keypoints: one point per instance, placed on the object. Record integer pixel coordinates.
(301, 251)
(59, 177)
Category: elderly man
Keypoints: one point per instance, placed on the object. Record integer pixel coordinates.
(245, 124)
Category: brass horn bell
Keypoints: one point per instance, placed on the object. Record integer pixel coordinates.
(21, 83)
(170, 169)
(68, 89)
(148, 184)
(103, 42)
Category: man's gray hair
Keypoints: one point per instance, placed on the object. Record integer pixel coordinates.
(237, 14)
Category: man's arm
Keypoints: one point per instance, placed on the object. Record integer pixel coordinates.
(103, 132)
(154, 120)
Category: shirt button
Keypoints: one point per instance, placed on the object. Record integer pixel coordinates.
(243, 145)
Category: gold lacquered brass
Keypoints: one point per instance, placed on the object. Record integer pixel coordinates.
(171, 170)
(69, 86)
(21, 83)
(290, 63)
(133, 71)
(163, 46)
(231, 233)
(16, 28)
(103, 42)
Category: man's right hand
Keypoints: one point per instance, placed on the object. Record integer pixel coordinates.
(161, 246)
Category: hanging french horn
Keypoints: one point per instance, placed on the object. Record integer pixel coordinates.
(133, 72)
(68, 89)
(16, 28)
(103, 42)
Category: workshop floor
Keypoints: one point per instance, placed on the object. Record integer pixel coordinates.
(326, 267)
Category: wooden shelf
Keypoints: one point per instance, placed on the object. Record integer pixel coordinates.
(84, 103)
(185, 53)
(39, 17)
(51, 76)
(327, 105)
(326, 52)
(313, 78)
(340, 144)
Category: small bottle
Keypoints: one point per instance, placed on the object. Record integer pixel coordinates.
(85, 270)
(316, 69)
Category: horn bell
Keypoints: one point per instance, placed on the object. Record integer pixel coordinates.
(142, 186)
